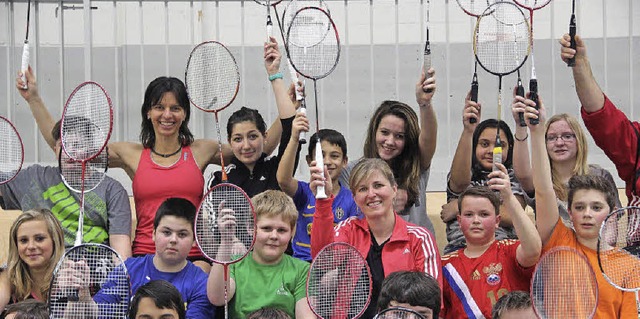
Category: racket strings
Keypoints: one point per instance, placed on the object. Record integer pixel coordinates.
(295, 5)
(11, 146)
(502, 40)
(619, 248)
(86, 123)
(312, 43)
(339, 283)
(83, 272)
(473, 7)
(94, 172)
(398, 313)
(225, 224)
(212, 77)
(564, 285)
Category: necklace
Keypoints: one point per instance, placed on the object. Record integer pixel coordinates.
(166, 155)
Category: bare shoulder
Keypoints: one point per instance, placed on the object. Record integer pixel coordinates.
(125, 154)
(204, 151)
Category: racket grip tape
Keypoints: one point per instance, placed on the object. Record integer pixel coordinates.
(572, 33)
(533, 96)
(25, 63)
(320, 194)
(474, 96)
(302, 138)
(520, 92)
(427, 65)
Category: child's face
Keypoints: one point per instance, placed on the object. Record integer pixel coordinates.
(486, 143)
(424, 311)
(35, 245)
(272, 237)
(173, 239)
(478, 220)
(147, 309)
(247, 143)
(333, 158)
(390, 137)
(588, 209)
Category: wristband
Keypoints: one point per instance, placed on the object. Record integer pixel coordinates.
(275, 76)
(521, 140)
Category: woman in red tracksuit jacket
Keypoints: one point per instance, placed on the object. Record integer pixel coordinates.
(385, 240)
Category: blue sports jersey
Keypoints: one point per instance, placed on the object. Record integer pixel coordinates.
(191, 281)
(343, 207)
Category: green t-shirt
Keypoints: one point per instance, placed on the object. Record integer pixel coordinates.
(276, 286)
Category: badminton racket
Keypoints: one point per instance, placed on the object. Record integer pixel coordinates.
(619, 249)
(314, 52)
(475, 9)
(398, 313)
(572, 33)
(212, 81)
(520, 92)
(501, 45)
(426, 65)
(25, 49)
(532, 5)
(339, 282)
(564, 285)
(83, 270)
(13, 150)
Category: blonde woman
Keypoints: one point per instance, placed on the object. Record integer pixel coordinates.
(36, 243)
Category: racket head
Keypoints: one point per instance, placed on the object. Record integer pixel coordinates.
(98, 268)
(13, 150)
(502, 38)
(339, 282)
(532, 4)
(313, 43)
(564, 285)
(212, 78)
(619, 248)
(398, 313)
(210, 231)
(295, 5)
(94, 171)
(474, 8)
(86, 123)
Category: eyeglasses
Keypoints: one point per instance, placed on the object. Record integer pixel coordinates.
(567, 137)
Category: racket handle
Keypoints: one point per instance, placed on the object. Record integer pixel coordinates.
(533, 96)
(25, 63)
(474, 95)
(572, 33)
(320, 194)
(302, 138)
(294, 78)
(520, 92)
(426, 65)
(269, 28)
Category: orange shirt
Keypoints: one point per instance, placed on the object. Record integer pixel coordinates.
(612, 302)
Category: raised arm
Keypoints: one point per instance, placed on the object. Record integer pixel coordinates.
(428, 122)
(40, 112)
(322, 231)
(286, 168)
(227, 248)
(460, 177)
(546, 206)
(530, 246)
(521, 163)
(589, 92)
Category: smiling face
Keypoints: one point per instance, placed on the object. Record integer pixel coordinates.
(588, 210)
(247, 143)
(478, 220)
(147, 309)
(333, 159)
(390, 137)
(374, 195)
(272, 237)
(562, 145)
(173, 238)
(35, 245)
(486, 143)
(166, 116)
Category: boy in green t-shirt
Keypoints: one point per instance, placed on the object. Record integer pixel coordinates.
(266, 277)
